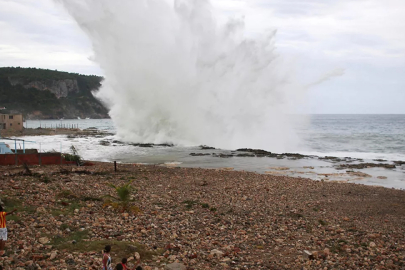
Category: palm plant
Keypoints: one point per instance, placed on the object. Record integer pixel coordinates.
(123, 195)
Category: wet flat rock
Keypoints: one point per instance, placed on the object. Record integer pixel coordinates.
(366, 165)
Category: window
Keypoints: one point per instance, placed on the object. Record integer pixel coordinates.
(19, 124)
(11, 124)
(10, 117)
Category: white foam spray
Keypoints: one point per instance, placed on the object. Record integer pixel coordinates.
(173, 74)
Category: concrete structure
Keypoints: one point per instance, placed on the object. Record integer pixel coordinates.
(11, 122)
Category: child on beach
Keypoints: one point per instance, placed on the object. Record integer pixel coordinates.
(125, 267)
(3, 229)
(107, 258)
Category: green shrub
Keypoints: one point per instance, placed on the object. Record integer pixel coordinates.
(74, 156)
(189, 204)
(322, 222)
(205, 205)
(123, 194)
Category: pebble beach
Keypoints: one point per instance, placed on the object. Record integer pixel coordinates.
(199, 219)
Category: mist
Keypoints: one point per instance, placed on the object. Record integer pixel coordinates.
(174, 74)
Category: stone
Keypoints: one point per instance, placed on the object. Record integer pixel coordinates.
(53, 255)
(175, 266)
(41, 210)
(43, 240)
(217, 253)
(308, 255)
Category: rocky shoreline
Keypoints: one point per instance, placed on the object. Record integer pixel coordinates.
(340, 162)
(70, 132)
(200, 218)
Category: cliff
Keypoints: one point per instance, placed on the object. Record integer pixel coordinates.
(49, 94)
(60, 88)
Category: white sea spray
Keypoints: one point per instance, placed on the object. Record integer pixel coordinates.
(174, 74)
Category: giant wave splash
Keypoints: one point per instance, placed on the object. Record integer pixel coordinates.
(173, 73)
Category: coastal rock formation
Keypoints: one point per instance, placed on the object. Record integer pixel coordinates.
(60, 88)
(50, 94)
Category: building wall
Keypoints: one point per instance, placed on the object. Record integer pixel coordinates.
(11, 121)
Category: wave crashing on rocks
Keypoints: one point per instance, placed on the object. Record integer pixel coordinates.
(174, 73)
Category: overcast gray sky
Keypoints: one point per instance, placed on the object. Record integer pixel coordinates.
(365, 38)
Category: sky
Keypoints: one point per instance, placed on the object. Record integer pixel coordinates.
(362, 41)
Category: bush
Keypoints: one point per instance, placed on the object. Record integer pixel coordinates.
(74, 156)
(123, 196)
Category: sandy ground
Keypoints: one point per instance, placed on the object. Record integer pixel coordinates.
(203, 219)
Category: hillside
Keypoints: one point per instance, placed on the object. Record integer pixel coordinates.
(49, 94)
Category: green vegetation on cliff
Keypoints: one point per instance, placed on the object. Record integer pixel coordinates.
(49, 94)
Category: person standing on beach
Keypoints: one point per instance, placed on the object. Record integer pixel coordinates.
(107, 258)
(3, 229)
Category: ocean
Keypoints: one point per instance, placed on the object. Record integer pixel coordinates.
(366, 137)
(380, 136)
